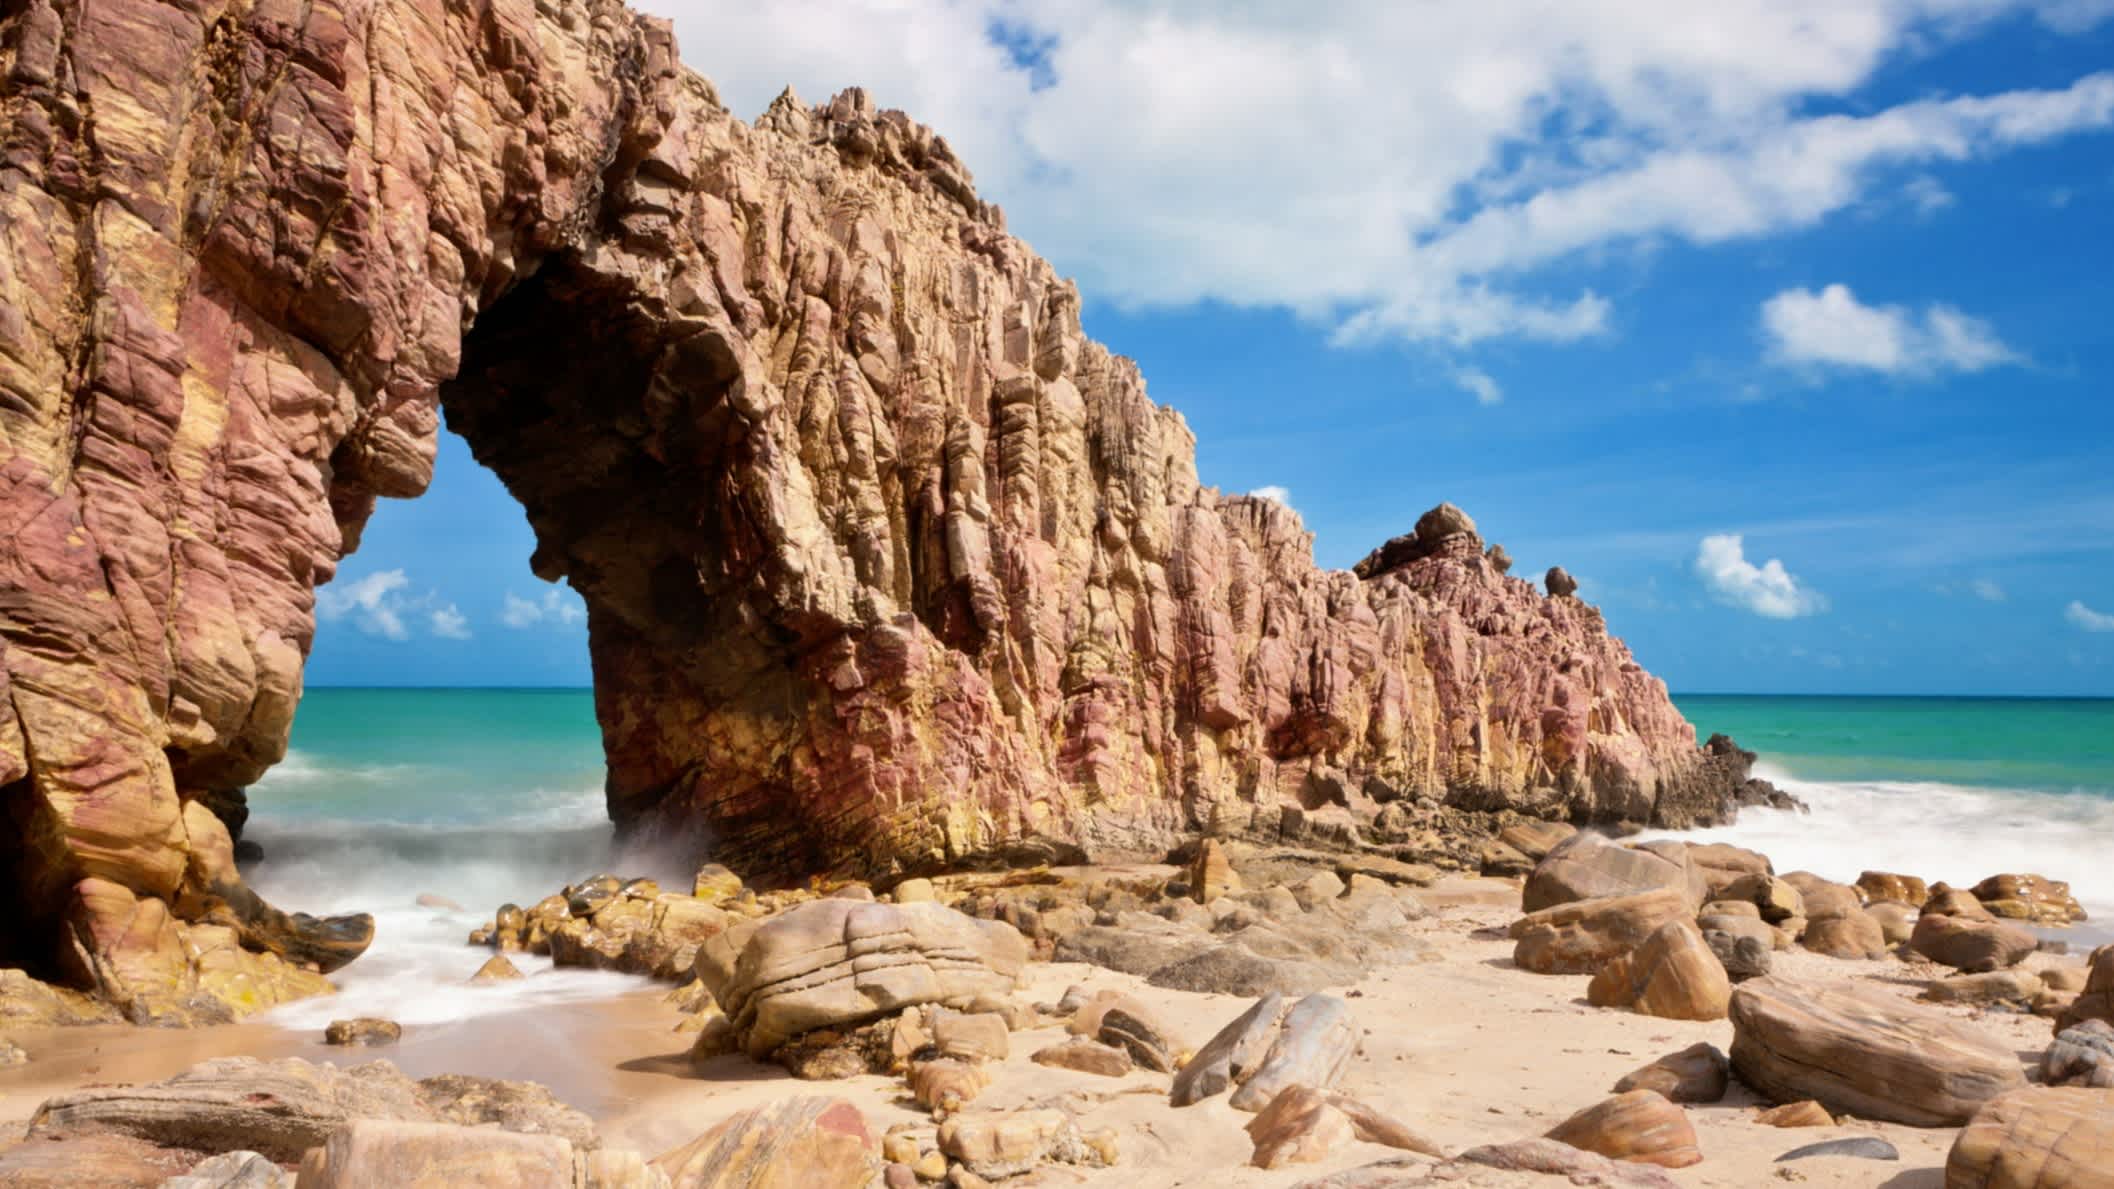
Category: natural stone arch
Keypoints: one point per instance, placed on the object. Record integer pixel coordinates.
(887, 566)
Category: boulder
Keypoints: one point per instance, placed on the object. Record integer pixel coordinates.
(2041, 1137)
(1298, 1126)
(833, 963)
(497, 969)
(1948, 901)
(1586, 866)
(1697, 1074)
(2081, 1055)
(1897, 921)
(1854, 935)
(1085, 1056)
(365, 1031)
(2017, 987)
(714, 882)
(1559, 583)
(1211, 875)
(1819, 899)
(1536, 839)
(1743, 946)
(998, 1144)
(1885, 885)
(1673, 975)
(1639, 1126)
(973, 1036)
(819, 1142)
(945, 1086)
(2096, 1001)
(1135, 1028)
(1272, 1045)
(405, 1155)
(2032, 898)
(1581, 936)
(1806, 1113)
(1861, 1052)
(1775, 900)
(1971, 945)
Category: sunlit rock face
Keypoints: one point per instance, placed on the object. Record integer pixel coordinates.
(886, 564)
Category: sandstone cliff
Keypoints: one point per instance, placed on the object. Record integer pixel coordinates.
(887, 566)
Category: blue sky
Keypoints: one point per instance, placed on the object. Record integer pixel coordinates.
(1788, 329)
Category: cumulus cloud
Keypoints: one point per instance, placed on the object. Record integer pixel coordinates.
(1768, 589)
(378, 605)
(556, 608)
(1832, 328)
(450, 623)
(1273, 493)
(1399, 171)
(1479, 383)
(2088, 619)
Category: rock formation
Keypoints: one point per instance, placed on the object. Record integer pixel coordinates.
(887, 565)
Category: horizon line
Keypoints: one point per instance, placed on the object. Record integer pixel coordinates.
(1922, 697)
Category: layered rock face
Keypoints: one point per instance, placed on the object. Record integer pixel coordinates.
(887, 565)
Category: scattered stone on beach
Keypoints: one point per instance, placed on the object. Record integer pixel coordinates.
(1948, 901)
(1638, 1126)
(1854, 935)
(497, 969)
(946, 1085)
(472, 1101)
(973, 1036)
(2081, 1055)
(1855, 1147)
(408, 1155)
(823, 1142)
(1807, 1113)
(1744, 945)
(1699, 1073)
(1775, 900)
(1859, 1051)
(2032, 898)
(999, 1144)
(229, 1170)
(1586, 866)
(1558, 1159)
(1581, 936)
(435, 901)
(2040, 1137)
(1272, 1045)
(1673, 975)
(1973, 946)
(1875, 886)
(1298, 1126)
(2096, 1001)
(2016, 987)
(1897, 920)
(1085, 1056)
(829, 963)
(365, 1030)
(1130, 1025)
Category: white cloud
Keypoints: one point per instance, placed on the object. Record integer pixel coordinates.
(1273, 493)
(1832, 328)
(450, 623)
(2088, 619)
(374, 603)
(556, 608)
(1478, 382)
(1398, 170)
(1768, 589)
(1927, 194)
(1987, 590)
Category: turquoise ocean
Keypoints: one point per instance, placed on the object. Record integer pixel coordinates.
(484, 796)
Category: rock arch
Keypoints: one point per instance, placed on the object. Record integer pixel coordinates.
(887, 565)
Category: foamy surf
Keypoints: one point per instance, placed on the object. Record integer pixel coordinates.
(1957, 833)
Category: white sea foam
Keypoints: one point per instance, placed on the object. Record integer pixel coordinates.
(1956, 833)
(416, 971)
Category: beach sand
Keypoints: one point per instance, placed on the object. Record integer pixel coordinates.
(1462, 1046)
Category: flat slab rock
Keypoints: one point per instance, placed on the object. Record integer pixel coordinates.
(1861, 1052)
(281, 1109)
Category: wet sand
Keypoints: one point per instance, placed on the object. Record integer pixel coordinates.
(1462, 1046)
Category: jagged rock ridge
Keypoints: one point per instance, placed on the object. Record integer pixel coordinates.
(886, 564)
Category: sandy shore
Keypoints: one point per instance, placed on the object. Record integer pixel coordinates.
(1462, 1046)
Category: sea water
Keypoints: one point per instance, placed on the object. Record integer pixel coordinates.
(486, 796)
(1942, 788)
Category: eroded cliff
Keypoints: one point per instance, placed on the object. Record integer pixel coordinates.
(887, 566)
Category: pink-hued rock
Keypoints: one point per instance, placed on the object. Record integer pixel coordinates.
(885, 562)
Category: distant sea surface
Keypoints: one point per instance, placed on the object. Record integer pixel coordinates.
(485, 796)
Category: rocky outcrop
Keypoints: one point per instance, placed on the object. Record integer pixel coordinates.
(887, 566)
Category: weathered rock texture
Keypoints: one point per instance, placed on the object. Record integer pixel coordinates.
(886, 564)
